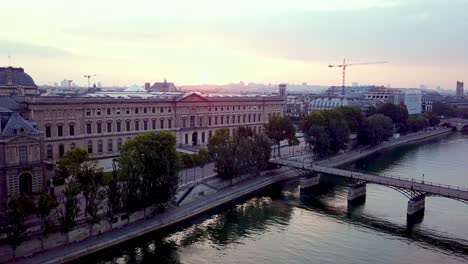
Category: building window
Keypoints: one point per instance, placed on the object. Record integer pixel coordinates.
(72, 146)
(192, 121)
(48, 131)
(99, 128)
(99, 146)
(161, 124)
(60, 131)
(184, 123)
(200, 121)
(238, 119)
(145, 124)
(108, 111)
(161, 110)
(88, 128)
(119, 143)
(61, 150)
(145, 110)
(169, 110)
(109, 145)
(153, 124)
(127, 124)
(216, 109)
(210, 133)
(127, 111)
(49, 152)
(90, 147)
(98, 112)
(137, 125)
(222, 120)
(23, 154)
(216, 120)
(153, 110)
(203, 137)
(249, 118)
(254, 116)
(209, 121)
(71, 130)
(169, 123)
(136, 110)
(186, 139)
(88, 112)
(118, 111)
(233, 119)
(227, 120)
(243, 119)
(119, 124)
(109, 127)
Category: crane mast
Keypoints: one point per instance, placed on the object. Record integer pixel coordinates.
(345, 65)
(89, 77)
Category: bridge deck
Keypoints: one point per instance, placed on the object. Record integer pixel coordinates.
(409, 184)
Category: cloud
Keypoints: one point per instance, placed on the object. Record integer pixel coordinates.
(19, 48)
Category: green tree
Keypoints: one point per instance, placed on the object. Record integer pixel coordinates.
(70, 202)
(280, 128)
(261, 152)
(18, 209)
(320, 140)
(90, 179)
(149, 167)
(244, 132)
(417, 123)
(398, 114)
(376, 129)
(113, 195)
(353, 116)
(71, 162)
(202, 158)
(46, 204)
(338, 132)
(443, 109)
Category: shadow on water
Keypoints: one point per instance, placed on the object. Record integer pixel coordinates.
(221, 227)
(318, 202)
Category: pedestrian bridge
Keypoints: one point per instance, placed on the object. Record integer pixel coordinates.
(415, 190)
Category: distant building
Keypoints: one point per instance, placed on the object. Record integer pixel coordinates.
(147, 86)
(384, 95)
(328, 103)
(460, 91)
(428, 98)
(413, 101)
(163, 87)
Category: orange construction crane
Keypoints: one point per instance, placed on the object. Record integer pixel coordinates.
(345, 65)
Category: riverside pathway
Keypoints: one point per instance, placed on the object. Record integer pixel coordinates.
(169, 217)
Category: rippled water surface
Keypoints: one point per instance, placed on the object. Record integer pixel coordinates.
(286, 226)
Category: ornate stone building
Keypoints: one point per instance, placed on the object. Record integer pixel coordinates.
(100, 122)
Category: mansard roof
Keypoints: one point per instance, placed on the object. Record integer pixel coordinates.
(12, 124)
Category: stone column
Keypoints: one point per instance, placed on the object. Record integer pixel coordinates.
(357, 193)
(310, 181)
(416, 206)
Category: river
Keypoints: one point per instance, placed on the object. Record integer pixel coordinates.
(283, 225)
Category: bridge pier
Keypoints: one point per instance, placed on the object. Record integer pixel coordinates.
(310, 182)
(415, 211)
(357, 193)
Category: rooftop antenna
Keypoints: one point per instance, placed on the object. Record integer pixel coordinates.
(9, 59)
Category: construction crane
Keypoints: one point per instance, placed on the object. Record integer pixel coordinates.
(89, 77)
(345, 65)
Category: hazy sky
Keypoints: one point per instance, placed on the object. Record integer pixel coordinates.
(213, 41)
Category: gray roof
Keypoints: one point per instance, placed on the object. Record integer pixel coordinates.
(9, 103)
(11, 77)
(12, 124)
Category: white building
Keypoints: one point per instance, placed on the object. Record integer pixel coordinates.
(328, 103)
(413, 101)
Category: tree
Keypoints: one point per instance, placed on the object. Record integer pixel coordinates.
(376, 129)
(113, 195)
(70, 202)
(18, 209)
(90, 178)
(220, 137)
(338, 132)
(416, 123)
(71, 162)
(261, 152)
(398, 114)
(203, 157)
(320, 140)
(280, 128)
(149, 167)
(442, 109)
(244, 132)
(353, 116)
(44, 207)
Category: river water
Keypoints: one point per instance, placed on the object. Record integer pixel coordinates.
(285, 226)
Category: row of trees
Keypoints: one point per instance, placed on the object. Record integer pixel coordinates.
(245, 152)
(328, 131)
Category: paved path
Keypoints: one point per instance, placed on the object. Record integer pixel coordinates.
(170, 217)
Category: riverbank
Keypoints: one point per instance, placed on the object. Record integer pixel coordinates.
(353, 155)
(170, 217)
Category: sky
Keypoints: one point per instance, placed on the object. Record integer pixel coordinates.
(216, 42)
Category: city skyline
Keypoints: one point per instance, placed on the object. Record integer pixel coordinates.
(211, 43)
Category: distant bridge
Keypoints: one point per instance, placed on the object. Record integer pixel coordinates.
(458, 123)
(414, 190)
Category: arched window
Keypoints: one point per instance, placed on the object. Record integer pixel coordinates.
(25, 183)
(100, 146)
(61, 150)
